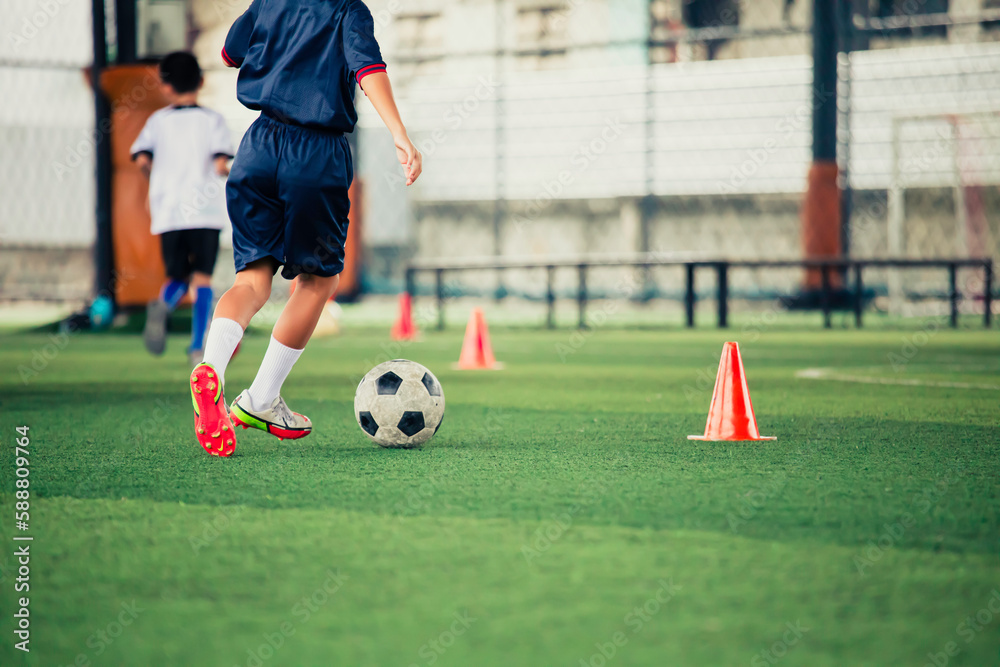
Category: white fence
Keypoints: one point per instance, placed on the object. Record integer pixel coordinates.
(735, 126)
(46, 120)
(694, 128)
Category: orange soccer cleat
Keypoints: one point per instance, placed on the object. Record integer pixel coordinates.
(212, 424)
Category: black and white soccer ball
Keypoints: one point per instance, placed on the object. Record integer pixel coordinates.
(399, 404)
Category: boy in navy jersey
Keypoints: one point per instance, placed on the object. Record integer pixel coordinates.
(185, 150)
(299, 62)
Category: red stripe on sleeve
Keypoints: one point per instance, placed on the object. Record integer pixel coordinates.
(370, 69)
(229, 61)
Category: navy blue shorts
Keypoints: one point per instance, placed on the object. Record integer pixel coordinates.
(187, 251)
(287, 198)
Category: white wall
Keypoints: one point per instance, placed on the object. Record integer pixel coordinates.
(46, 124)
(722, 127)
(732, 126)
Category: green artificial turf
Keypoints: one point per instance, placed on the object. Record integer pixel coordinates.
(559, 517)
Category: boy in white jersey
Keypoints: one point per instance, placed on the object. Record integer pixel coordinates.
(185, 150)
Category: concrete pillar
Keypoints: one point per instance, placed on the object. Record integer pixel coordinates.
(632, 225)
(964, 34)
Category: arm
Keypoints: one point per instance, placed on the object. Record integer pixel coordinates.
(222, 165)
(379, 92)
(145, 163)
(222, 145)
(364, 61)
(145, 145)
(234, 51)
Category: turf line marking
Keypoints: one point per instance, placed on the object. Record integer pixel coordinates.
(827, 374)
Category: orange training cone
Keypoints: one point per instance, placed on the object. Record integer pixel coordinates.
(404, 328)
(477, 353)
(730, 417)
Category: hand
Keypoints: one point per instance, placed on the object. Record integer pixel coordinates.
(144, 163)
(222, 166)
(409, 157)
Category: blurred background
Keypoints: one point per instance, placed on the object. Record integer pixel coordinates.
(558, 133)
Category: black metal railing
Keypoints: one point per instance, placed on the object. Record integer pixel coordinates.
(826, 267)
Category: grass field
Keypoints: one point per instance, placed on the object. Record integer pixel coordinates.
(558, 517)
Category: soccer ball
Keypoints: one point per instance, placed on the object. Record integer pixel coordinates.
(102, 311)
(399, 404)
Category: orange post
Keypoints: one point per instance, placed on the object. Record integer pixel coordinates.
(731, 417)
(821, 222)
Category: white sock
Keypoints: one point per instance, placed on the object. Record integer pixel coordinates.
(223, 337)
(277, 364)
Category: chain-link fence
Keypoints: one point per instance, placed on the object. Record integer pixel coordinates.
(920, 126)
(46, 134)
(569, 127)
(688, 132)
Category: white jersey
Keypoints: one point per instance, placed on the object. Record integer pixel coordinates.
(185, 192)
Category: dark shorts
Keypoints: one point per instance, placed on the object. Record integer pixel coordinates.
(187, 251)
(287, 198)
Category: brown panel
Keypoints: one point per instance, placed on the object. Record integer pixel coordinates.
(134, 92)
(350, 279)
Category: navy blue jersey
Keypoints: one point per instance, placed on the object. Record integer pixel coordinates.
(299, 59)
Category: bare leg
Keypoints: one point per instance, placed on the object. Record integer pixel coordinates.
(248, 294)
(298, 320)
(200, 280)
